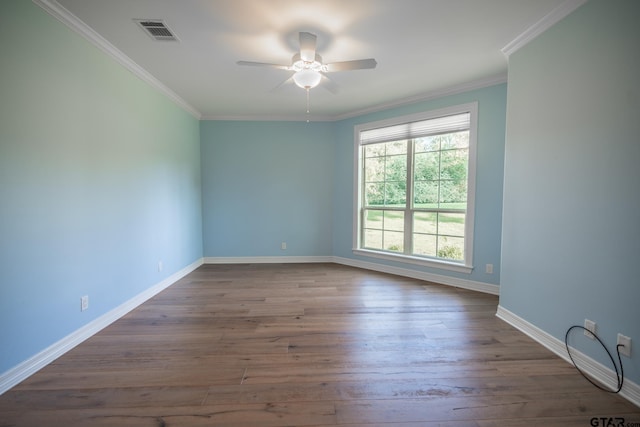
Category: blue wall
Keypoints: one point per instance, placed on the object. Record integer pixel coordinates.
(99, 180)
(490, 156)
(270, 182)
(265, 183)
(571, 232)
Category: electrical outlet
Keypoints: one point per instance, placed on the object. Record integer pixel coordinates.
(160, 266)
(283, 246)
(489, 269)
(84, 303)
(625, 342)
(590, 327)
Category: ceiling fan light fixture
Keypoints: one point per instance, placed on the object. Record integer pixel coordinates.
(307, 78)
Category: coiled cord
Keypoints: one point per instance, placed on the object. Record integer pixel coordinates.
(619, 374)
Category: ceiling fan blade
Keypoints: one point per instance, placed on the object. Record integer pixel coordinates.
(307, 47)
(263, 64)
(358, 64)
(329, 84)
(281, 85)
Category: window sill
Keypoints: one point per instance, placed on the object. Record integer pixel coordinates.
(444, 265)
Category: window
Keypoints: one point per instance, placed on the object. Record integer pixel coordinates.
(415, 188)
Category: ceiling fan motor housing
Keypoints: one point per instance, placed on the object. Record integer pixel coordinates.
(299, 64)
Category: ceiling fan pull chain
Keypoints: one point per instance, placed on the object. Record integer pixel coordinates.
(307, 105)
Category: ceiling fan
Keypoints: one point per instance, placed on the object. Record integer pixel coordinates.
(308, 68)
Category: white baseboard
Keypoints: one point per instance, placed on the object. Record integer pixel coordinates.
(30, 366)
(420, 275)
(267, 259)
(596, 370)
(486, 288)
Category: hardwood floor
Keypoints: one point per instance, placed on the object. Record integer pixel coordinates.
(309, 345)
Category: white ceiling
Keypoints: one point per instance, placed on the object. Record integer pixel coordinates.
(422, 47)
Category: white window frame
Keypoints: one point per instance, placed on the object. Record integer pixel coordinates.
(467, 265)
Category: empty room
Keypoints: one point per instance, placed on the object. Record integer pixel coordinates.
(319, 213)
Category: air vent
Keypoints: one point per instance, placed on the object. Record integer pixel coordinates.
(157, 29)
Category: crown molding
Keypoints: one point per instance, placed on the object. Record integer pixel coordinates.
(59, 12)
(268, 118)
(552, 18)
(428, 96)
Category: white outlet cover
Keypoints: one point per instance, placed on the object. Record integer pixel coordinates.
(626, 342)
(84, 303)
(590, 325)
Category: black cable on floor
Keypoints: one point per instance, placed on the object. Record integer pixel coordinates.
(619, 374)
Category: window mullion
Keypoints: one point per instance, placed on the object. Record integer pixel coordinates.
(408, 216)
(439, 199)
(363, 196)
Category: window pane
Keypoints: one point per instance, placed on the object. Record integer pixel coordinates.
(451, 224)
(426, 166)
(395, 194)
(394, 241)
(394, 221)
(451, 192)
(425, 222)
(396, 168)
(374, 150)
(453, 165)
(373, 219)
(383, 230)
(374, 169)
(461, 206)
(372, 239)
(425, 194)
(428, 143)
(385, 174)
(374, 194)
(424, 244)
(454, 140)
(396, 147)
(451, 248)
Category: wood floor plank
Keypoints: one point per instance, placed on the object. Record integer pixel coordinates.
(309, 345)
(267, 415)
(391, 389)
(121, 397)
(137, 375)
(476, 408)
